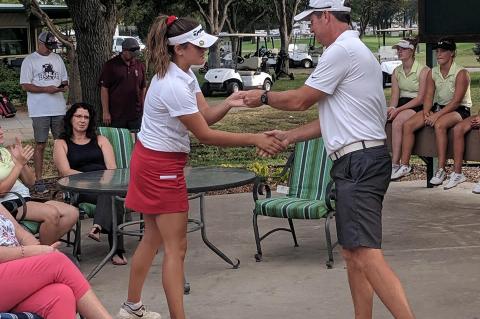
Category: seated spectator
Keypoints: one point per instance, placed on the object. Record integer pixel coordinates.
(80, 149)
(56, 218)
(459, 132)
(39, 279)
(408, 91)
(447, 101)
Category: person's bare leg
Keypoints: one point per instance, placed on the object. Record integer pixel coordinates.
(49, 218)
(385, 283)
(38, 159)
(68, 215)
(143, 258)
(408, 140)
(90, 307)
(459, 132)
(397, 133)
(173, 228)
(441, 126)
(360, 288)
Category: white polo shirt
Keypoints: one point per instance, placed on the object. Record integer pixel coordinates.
(355, 108)
(167, 98)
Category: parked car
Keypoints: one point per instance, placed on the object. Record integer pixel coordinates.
(118, 40)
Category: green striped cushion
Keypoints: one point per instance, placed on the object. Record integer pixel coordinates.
(31, 226)
(122, 143)
(309, 177)
(287, 207)
(310, 172)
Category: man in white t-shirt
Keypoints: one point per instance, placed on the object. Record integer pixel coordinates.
(44, 76)
(352, 115)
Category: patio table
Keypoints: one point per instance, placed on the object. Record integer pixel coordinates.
(199, 180)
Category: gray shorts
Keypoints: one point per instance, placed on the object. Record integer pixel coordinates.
(43, 124)
(361, 181)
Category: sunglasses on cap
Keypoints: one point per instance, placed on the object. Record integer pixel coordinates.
(134, 49)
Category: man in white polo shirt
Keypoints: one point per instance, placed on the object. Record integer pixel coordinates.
(352, 114)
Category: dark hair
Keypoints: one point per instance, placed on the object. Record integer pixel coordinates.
(67, 121)
(344, 17)
(412, 40)
(159, 53)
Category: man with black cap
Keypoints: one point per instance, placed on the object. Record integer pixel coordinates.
(44, 76)
(123, 88)
(346, 84)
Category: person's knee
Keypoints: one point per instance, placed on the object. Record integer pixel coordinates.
(51, 215)
(63, 298)
(40, 146)
(177, 249)
(459, 131)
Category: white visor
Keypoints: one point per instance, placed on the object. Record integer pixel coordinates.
(404, 44)
(305, 15)
(196, 36)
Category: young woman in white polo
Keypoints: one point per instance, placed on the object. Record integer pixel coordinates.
(174, 105)
(408, 91)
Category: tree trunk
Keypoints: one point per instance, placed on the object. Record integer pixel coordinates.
(75, 89)
(94, 24)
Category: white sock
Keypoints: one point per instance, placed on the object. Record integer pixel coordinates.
(134, 306)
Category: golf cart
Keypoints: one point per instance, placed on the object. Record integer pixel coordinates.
(303, 54)
(239, 72)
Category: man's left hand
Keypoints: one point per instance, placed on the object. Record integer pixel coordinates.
(252, 98)
(432, 119)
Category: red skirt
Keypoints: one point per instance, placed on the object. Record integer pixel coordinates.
(157, 183)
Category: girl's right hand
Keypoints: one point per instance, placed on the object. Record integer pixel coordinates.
(269, 143)
(21, 154)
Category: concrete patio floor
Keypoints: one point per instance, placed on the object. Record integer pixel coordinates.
(431, 239)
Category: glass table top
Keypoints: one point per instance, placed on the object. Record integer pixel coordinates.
(115, 181)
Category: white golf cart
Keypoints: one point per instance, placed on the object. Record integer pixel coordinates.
(240, 72)
(303, 54)
(388, 59)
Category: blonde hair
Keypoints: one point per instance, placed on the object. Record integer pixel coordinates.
(159, 53)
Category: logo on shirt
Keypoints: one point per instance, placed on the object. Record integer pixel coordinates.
(48, 73)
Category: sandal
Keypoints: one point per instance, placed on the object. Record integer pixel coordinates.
(95, 232)
(119, 259)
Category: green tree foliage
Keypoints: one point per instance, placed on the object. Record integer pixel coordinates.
(9, 83)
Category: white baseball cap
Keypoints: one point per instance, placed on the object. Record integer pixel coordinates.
(197, 36)
(322, 5)
(404, 44)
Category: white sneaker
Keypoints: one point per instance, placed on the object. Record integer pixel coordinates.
(439, 177)
(476, 189)
(395, 167)
(455, 179)
(403, 171)
(126, 312)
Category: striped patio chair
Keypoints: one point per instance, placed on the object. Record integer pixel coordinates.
(309, 195)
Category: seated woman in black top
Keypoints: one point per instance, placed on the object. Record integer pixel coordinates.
(80, 149)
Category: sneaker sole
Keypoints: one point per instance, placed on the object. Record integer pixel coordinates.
(398, 178)
(446, 188)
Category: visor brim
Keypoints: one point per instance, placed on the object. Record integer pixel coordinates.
(205, 41)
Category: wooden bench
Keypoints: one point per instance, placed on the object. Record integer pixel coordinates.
(426, 148)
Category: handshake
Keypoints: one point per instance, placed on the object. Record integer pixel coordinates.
(268, 143)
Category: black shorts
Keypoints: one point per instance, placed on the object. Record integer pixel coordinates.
(405, 100)
(462, 110)
(361, 181)
(12, 204)
(132, 125)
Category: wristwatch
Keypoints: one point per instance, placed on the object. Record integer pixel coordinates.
(264, 98)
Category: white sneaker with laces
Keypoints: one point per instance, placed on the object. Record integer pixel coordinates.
(455, 179)
(439, 177)
(476, 189)
(126, 312)
(403, 171)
